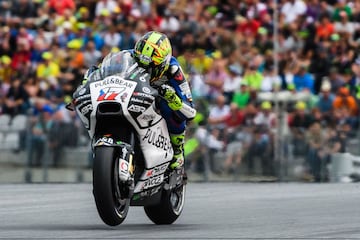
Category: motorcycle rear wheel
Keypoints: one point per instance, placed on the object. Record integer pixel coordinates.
(169, 208)
(111, 206)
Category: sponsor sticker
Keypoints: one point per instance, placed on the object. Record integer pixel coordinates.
(136, 108)
(146, 90)
(88, 108)
(104, 141)
(82, 91)
(150, 192)
(156, 170)
(114, 80)
(124, 166)
(110, 94)
(144, 95)
(154, 181)
(157, 139)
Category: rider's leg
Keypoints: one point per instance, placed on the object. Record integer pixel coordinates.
(177, 141)
(177, 134)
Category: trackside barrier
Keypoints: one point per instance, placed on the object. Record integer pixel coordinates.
(343, 165)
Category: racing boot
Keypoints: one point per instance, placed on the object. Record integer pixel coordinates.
(177, 142)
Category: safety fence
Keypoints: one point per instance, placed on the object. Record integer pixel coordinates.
(40, 149)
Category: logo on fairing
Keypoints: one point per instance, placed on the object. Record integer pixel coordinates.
(136, 108)
(82, 91)
(110, 93)
(106, 140)
(179, 76)
(146, 90)
(153, 181)
(156, 170)
(86, 109)
(157, 139)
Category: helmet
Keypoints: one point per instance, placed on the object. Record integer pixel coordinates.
(153, 52)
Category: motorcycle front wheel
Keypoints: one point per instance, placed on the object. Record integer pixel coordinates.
(111, 206)
(169, 208)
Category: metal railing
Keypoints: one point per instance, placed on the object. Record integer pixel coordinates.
(206, 163)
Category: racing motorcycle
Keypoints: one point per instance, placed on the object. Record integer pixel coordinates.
(130, 143)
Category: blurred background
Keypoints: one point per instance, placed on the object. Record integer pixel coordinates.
(276, 84)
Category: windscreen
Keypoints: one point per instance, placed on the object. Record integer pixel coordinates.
(113, 64)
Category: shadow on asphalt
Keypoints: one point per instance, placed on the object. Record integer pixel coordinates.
(94, 227)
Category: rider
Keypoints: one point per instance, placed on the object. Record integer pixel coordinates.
(154, 53)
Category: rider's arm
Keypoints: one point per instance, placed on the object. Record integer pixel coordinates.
(181, 100)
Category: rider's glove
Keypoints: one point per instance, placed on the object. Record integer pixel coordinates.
(169, 94)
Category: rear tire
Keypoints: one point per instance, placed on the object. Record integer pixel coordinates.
(169, 208)
(111, 207)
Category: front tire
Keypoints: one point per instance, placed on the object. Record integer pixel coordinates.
(111, 206)
(169, 208)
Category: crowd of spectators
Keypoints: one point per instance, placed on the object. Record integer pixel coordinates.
(226, 49)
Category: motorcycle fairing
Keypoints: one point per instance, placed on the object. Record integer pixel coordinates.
(154, 140)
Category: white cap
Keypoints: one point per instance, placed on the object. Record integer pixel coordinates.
(325, 86)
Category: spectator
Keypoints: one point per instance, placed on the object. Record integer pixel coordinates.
(17, 99)
(299, 122)
(47, 71)
(324, 29)
(271, 80)
(336, 143)
(344, 26)
(292, 9)
(219, 112)
(216, 76)
(112, 38)
(62, 133)
(201, 62)
(24, 9)
(32, 87)
(5, 70)
(319, 67)
(60, 6)
(325, 101)
(66, 34)
(315, 140)
(128, 37)
(303, 80)
(341, 7)
(343, 99)
(233, 138)
(247, 27)
(21, 58)
(169, 24)
(91, 55)
(336, 80)
(232, 83)
(242, 97)
(253, 78)
(105, 5)
(41, 125)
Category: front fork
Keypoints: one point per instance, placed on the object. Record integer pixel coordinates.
(125, 165)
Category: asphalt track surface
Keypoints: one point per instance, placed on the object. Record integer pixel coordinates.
(212, 211)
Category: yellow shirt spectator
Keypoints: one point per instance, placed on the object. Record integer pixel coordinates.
(201, 62)
(5, 69)
(48, 68)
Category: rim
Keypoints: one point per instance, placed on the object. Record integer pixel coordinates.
(177, 199)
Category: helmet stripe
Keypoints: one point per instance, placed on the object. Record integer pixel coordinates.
(148, 48)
